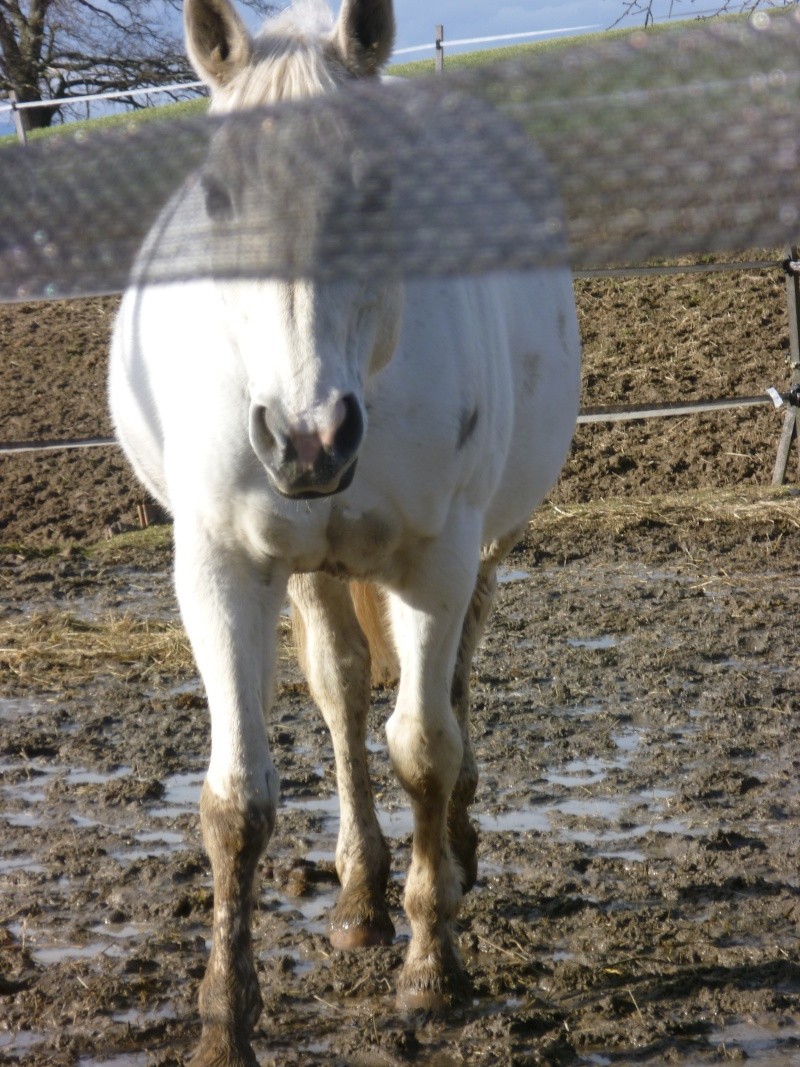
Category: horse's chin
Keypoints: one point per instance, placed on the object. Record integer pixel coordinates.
(305, 491)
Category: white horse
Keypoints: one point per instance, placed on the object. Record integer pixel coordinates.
(336, 438)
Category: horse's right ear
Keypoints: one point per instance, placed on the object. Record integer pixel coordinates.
(217, 40)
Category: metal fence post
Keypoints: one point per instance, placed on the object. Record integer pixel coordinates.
(791, 267)
(439, 59)
(20, 120)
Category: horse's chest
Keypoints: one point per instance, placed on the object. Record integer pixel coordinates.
(361, 544)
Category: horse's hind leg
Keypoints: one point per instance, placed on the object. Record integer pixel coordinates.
(335, 657)
(462, 833)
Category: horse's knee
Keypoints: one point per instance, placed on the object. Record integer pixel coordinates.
(426, 753)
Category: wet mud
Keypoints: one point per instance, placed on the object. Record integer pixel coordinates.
(635, 717)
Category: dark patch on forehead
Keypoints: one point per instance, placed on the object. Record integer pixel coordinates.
(466, 426)
(294, 195)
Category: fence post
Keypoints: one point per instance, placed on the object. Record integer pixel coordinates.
(791, 267)
(439, 59)
(20, 120)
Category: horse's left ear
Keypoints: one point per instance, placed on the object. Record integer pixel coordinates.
(217, 40)
(365, 34)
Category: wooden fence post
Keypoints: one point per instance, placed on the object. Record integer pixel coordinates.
(439, 59)
(21, 124)
(791, 267)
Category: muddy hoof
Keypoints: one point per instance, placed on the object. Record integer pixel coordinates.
(356, 935)
(435, 1001)
(426, 985)
(218, 1048)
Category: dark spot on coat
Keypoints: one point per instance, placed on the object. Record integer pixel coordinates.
(466, 427)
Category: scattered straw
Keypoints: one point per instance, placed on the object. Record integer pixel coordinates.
(780, 507)
(50, 644)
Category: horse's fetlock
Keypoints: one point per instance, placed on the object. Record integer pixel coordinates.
(432, 903)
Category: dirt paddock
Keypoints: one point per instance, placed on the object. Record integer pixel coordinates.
(635, 717)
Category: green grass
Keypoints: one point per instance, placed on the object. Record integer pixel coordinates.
(122, 119)
(115, 550)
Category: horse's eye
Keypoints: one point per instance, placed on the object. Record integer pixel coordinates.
(219, 204)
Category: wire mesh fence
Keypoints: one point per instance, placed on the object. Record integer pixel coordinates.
(656, 145)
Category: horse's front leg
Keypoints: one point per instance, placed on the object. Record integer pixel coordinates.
(230, 609)
(335, 656)
(426, 747)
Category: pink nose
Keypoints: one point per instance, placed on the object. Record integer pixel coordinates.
(304, 464)
(307, 446)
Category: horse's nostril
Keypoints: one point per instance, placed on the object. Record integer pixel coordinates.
(260, 419)
(351, 429)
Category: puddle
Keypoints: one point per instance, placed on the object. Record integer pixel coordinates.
(314, 910)
(396, 823)
(17, 707)
(127, 1059)
(80, 776)
(537, 819)
(21, 863)
(511, 574)
(63, 953)
(138, 1019)
(580, 773)
(165, 837)
(594, 644)
(21, 818)
(613, 842)
(181, 794)
(768, 1042)
(119, 931)
(20, 1041)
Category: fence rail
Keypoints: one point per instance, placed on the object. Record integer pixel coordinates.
(620, 413)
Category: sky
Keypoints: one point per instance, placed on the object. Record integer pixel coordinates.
(477, 18)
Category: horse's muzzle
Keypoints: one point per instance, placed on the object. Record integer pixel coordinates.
(305, 464)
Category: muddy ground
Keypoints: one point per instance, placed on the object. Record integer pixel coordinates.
(636, 722)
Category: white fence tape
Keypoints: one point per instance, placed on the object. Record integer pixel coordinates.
(494, 39)
(122, 94)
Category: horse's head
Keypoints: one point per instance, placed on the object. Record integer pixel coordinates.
(300, 52)
(307, 340)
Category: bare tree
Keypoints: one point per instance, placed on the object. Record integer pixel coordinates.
(56, 49)
(690, 8)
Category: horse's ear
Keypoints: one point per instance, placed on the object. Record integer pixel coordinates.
(216, 39)
(365, 34)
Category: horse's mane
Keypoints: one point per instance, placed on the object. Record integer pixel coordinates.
(292, 58)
